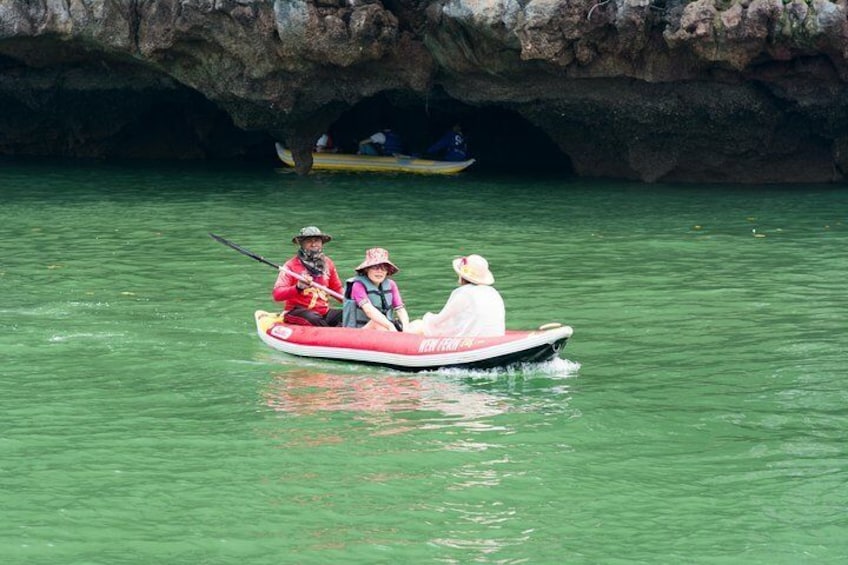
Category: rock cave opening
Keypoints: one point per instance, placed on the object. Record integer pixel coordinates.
(141, 116)
(500, 139)
(111, 109)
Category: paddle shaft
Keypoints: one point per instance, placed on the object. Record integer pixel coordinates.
(261, 259)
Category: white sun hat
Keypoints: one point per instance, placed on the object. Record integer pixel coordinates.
(474, 269)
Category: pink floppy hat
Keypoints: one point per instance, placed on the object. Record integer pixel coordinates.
(377, 256)
(474, 269)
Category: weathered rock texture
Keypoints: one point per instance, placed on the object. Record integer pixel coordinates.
(710, 90)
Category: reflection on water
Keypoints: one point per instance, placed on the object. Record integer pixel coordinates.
(466, 429)
(305, 391)
(489, 517)
(450, 398)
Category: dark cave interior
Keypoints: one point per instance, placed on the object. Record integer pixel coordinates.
(180, 124)
(499, 139)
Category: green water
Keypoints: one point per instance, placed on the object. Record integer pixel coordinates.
(698, 415)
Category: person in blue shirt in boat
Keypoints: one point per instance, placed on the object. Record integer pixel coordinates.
(474, 308)
(372, 299)
(452, 144)
(383, 142)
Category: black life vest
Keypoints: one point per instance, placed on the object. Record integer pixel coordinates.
(380, 297)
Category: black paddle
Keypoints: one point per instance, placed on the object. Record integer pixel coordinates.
(261, 259)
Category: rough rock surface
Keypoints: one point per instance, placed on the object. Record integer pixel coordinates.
(710, 90)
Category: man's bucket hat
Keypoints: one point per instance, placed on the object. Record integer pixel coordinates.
(311, 231)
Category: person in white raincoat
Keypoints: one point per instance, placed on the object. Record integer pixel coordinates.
(474, 309)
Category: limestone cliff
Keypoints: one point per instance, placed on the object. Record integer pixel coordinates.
(710, 90)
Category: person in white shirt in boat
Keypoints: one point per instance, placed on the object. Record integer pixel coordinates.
(383, 142)
(474, 309)
(372, 299)
(325, 144)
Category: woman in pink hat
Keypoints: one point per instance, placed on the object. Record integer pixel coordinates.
(474, 309)
(372, 299)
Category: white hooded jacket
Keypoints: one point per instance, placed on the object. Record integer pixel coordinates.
(471, 311)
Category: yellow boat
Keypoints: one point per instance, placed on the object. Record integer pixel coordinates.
(373, 164)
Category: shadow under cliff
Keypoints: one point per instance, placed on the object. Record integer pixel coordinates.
(499, 139)
(72, 110)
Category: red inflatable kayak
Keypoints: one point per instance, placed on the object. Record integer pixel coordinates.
(410, 352)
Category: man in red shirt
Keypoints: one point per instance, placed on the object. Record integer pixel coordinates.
(305, 304)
